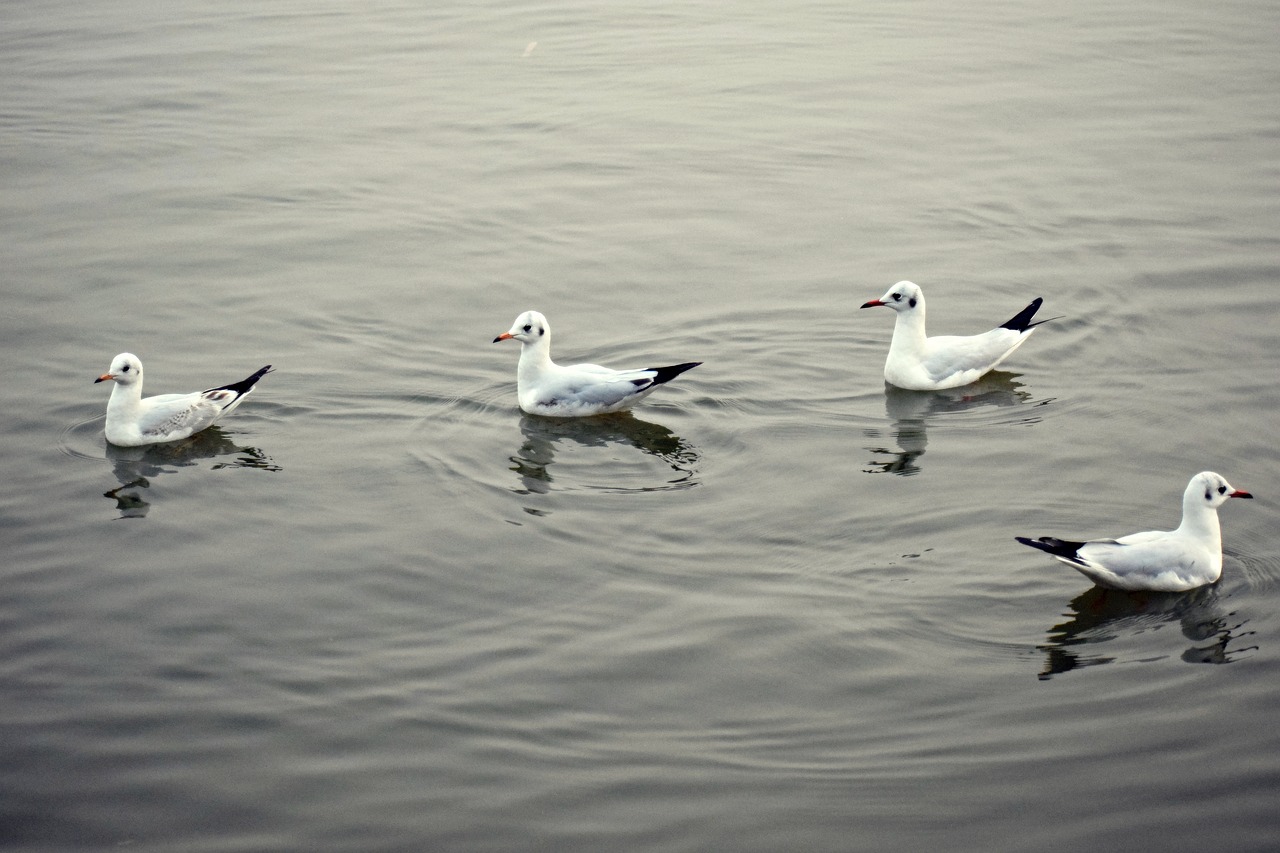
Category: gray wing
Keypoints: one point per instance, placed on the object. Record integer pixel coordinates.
(947, 355)
(174, 416)
(591, 387)
(1154, 560)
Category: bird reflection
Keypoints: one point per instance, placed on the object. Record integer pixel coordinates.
(1103, 615)
(130, 504)
(911, 411)
(534, 459)
(135, 467)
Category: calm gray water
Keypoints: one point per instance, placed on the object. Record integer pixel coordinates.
(776, 607)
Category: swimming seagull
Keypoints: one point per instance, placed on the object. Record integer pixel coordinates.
(1157, 560)
(546, 388)
(920, 363)
(133, 421)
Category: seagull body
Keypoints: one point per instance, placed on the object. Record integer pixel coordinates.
(133, 421)
(920, 363)
(1157, 560)
(570, 391)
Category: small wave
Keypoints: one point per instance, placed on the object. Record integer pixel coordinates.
(997, 400)
(1108, 626)
(83, 439)
(612, 454)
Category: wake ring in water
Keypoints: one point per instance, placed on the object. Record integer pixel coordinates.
(77, 439)
(616, 454)
(996, 400)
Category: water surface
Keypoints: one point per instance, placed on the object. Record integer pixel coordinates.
(778, 606)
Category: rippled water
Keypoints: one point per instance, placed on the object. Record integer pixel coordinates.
(778, 606)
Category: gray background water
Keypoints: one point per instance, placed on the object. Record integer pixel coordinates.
(777, 607)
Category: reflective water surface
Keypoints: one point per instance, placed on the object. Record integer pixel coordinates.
(779, 605)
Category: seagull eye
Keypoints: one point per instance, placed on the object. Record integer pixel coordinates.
(897, 297)
(1222, 490)
(124, 369)
(527, 327)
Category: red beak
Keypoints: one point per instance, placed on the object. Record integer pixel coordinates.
(1239, 493)
(872, 304)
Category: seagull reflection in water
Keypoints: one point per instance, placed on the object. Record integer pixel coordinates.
(911, 411)
(1105, 615)
(541, 436)
(135, 467)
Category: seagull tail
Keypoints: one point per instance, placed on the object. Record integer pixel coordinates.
(1057, 547)
(1021, 321)
(666, 374)
(244, 386)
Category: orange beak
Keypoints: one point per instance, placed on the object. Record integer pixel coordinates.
(103, 378)
(505, 336)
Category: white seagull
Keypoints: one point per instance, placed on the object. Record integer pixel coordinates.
(920, 363)
(1157, 560)
(570, 391)
(133, 421)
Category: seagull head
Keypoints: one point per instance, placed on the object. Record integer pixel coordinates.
(903, 296)
(1212, 490)
(126, 369)
(529, 328)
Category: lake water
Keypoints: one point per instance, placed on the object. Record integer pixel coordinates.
(777, 607)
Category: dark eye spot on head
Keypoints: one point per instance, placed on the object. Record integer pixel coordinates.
(912, 302)
(541, 331)
(1208, 496)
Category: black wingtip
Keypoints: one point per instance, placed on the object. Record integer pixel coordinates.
(666, 374)
(244, 386)
(1050, 545)
(1021, 321)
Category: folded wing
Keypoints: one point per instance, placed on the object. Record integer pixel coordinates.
(175, 416)
(947, 355)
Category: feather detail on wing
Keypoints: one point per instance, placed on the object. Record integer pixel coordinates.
(948, 355)
(1141, 556)
(180, 415)
(590, 386)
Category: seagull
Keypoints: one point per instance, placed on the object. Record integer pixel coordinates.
(572, 391)
(133, 421)
(1157, 560)
(920, 363)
